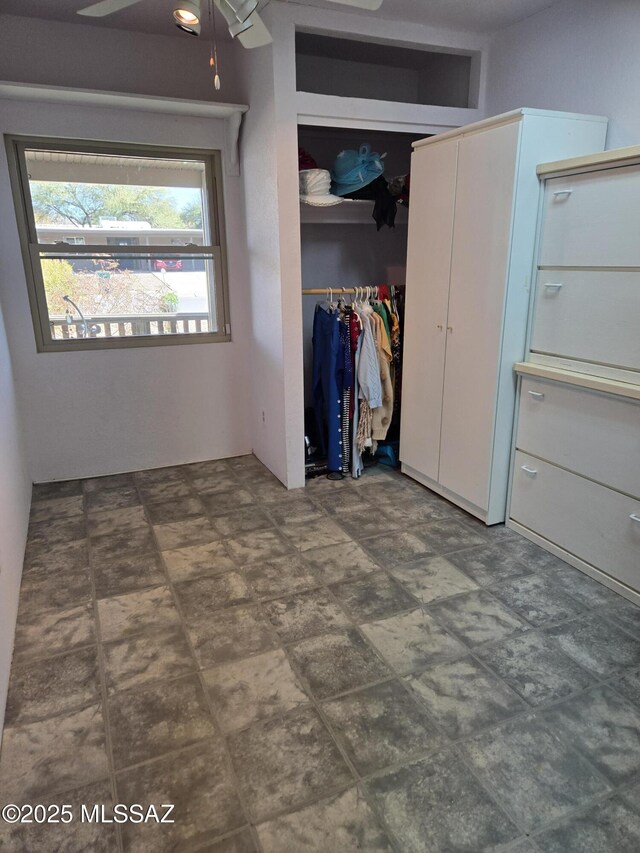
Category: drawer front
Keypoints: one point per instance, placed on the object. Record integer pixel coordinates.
(596, 435)
(588, 315)
(591, 219)
(588, 520)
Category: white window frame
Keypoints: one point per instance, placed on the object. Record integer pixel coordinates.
(32, 249)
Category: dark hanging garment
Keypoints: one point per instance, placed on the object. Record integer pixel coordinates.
(384, 208)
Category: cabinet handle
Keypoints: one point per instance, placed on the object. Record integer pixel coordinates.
(530, 471)
(439, 327)
(553, 285)
(635, 517)
(562, 193)
(538, 395)
(449, 328)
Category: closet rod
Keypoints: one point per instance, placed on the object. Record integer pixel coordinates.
(337, 291)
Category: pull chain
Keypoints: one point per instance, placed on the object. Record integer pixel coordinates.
(213, 51)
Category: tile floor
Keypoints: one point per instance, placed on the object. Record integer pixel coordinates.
(353, 666)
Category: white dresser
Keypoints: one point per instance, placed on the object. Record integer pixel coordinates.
(472, 227)
(576, 463)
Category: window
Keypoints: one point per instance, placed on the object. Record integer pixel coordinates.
(123, 246)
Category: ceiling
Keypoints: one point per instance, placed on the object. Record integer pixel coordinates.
(154, 16)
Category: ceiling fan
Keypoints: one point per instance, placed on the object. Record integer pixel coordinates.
(244, 21)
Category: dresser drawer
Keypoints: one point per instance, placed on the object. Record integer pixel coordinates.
(588, 520)
(596, 435)
(588, 315)
(591, 219)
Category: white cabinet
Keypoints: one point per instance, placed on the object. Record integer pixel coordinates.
(576, 473)
(472, 223)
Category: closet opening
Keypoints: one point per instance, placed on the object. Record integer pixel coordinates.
(353, 235)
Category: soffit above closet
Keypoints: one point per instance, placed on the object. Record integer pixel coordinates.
(154, 16)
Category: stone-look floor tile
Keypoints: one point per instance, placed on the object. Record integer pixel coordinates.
(242, 520)
(334, 663)
(112, 522)
(269, 489)
(43, 590)
(197, 560)
(607, 827)
(373, 597)
(127, 544)
(239, 842)
(287, 574)
(624, 613)
(381, 725)
(360, 526)
(413, 512)
(433, 579)
(536, 599)
(65, 555)
(45, 534)
(153, 719)
(75, 837)
(488, 564)
(476, 617)
(529, 554)
(136, 612)
(391, 549)
(597, 645)
(347, 500)
(57, 489)
(298, 510)
(463, 697)
(243, 692)
(523, 846)
(449, 535)
(51, 755)
(306, 614)
(201, 596)
(198, 783)
(603, 727)
(175, 509)
(306, 535)
(163, 492)
(181, 534)
(109, 499)
(286, 762)
(146, 657)
(532, 773)
(48, 510)
(227, 635)
(55, 632)
(110, 481)
(172, 474)
(412, 641)
(210, 484)
(119, 575)
(247, 465)
(46, 688)
(342, 823)
(436, 806)
(334, 564)
(222, 501)
(207, 468)
(257, 547)
(629, 687)
(586, 591)
(535, 667)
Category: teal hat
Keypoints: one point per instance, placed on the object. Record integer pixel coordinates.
(353, 170)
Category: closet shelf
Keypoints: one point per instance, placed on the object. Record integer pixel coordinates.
(350, 212)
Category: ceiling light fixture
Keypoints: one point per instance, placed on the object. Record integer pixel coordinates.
(187, 17)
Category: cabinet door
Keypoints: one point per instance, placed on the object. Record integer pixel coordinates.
(481, 241)
(433, 182)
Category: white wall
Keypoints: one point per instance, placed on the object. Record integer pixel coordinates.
(15, 497)
(579, 56)
(90, 57)
(89, 413)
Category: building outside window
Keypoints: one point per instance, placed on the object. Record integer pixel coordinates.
(123, 245)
